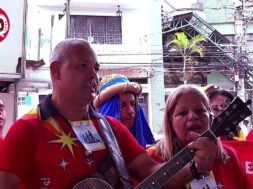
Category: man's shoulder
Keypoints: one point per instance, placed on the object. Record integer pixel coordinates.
(30, 118)
(116, 125)
(32, 115)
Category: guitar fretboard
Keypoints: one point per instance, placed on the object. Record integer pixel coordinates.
(169, 169)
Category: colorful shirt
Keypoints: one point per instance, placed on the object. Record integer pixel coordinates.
(228, 175)
(45, 153)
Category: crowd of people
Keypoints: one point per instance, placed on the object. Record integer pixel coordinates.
(66, 143)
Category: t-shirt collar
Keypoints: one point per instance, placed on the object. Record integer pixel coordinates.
(47, 109)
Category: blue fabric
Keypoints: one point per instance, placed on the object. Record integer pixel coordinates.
(111, 107)
(141, 131)
(114, 81)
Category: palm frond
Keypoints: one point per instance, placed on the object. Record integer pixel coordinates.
(197, 49)
(181, 44)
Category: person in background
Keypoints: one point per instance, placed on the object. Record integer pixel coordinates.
(50, 147)
(2, 118)
(187, 112)
(220, 99)
(119, 98)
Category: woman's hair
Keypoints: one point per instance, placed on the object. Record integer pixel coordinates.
(169, 144)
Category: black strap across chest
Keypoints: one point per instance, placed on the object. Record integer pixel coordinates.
(113, 147)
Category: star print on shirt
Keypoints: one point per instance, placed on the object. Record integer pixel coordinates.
(63, 164)
(220, 185)
(66, 140)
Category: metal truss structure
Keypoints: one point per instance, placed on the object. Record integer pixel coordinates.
(219, 54)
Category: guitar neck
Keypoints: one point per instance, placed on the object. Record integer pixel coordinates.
(168, 170)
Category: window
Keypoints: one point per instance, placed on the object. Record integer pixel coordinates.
(96, 29)
(21, 101)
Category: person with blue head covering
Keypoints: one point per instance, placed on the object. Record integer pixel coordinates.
(118, 98)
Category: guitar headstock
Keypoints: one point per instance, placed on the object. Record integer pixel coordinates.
(227, 122)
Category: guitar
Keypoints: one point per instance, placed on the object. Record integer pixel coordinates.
(225, 124)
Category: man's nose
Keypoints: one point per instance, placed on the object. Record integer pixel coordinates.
(130, 109)
(94, 76)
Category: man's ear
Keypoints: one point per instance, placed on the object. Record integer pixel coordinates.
(55, 70)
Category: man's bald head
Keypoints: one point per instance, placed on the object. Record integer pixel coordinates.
(63, 49)
(74, 69)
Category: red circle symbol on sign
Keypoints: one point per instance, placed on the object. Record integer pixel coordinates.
(4, 25)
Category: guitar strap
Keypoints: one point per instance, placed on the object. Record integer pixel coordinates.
(115, 152)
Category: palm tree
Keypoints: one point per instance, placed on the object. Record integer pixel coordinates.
(186, 47)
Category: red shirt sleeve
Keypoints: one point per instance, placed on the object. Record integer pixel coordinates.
(232, 173)
(245, 156)
(129, 146)
(17, 143)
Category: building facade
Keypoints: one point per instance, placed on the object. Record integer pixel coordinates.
(126, 36)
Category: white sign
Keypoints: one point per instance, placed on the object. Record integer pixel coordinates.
(11, 34)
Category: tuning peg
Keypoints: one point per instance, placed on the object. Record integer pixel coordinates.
(248, 102)
(238, 128)
(231, 135)
(245, 122)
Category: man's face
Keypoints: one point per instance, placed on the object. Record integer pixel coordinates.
(218, 103)
(127, 109)
(2, 114)
(79, 75)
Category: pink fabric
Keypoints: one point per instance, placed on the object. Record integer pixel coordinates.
(245, 150)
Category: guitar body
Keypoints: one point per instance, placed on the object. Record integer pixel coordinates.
(105, 178)
(92, 183)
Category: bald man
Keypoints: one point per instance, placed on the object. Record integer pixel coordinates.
(60, 143)
(2, 118)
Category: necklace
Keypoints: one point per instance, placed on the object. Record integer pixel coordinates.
(89, 157)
